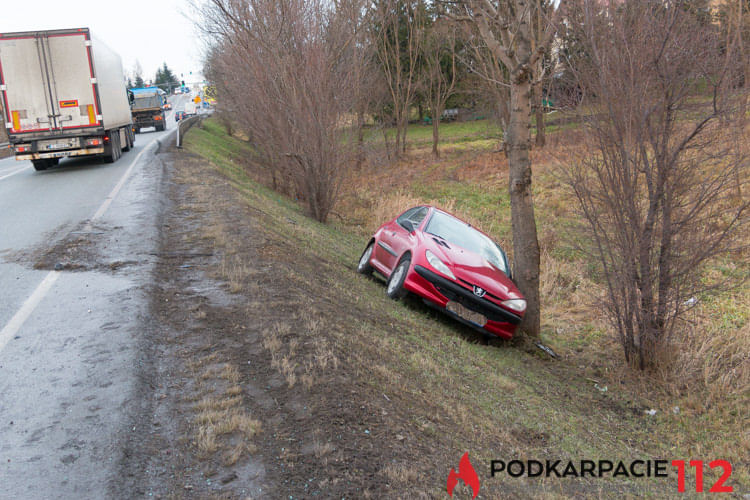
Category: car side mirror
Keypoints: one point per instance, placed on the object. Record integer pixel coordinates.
(408, 225)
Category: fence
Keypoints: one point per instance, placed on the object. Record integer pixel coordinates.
(184, 125)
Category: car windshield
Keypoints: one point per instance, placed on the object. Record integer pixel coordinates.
(461, 234)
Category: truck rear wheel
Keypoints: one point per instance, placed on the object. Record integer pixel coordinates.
(114, 148)
(128, 139)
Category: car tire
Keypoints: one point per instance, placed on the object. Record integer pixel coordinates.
(364, 266)
(395, 287)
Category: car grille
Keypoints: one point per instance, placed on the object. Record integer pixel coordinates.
(455, 292)
(486, 294)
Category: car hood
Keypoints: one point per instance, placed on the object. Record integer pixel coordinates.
(474, 269)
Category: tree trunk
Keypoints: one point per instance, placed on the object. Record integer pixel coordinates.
(540, 139)
(435, 136)
(404, 128)
(525, 242)
(387, 143)
(399, 125)
(360, 139)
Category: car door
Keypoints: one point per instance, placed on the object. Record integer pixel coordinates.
(384, 251)
(401, 236)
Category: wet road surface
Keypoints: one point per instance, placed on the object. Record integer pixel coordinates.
(69, 337)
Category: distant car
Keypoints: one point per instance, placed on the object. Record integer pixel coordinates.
(179, 115)
(452, 266)
(167, 106)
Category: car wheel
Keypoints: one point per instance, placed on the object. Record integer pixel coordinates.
(364, 266)
(395, 288)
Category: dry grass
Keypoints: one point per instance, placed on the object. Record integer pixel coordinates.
(470, 387)
(294, 363)
(222, 422)
(401, 474)
(706, 366)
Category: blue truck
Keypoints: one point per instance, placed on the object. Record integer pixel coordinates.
(147, 108)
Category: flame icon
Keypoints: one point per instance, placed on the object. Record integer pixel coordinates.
(466, 473)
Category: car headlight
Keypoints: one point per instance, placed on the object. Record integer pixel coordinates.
(518, 305)
(438, 264)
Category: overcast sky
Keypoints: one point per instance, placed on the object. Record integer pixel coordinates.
(150, 31)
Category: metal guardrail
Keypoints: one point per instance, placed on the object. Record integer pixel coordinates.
(184, 125)
(5, 150)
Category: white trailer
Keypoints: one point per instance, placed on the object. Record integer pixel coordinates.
(64, 95)
(190, 109)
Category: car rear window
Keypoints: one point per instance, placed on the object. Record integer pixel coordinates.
(463, 235)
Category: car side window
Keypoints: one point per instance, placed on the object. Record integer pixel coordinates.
(418, 216)
(406, 216)
(415, 215)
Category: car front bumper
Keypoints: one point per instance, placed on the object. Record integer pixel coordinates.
(438, 291)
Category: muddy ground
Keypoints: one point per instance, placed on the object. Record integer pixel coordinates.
(240, 401)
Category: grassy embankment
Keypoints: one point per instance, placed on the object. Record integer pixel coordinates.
(497, 401)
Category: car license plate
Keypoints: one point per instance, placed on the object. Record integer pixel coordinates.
(465, 313)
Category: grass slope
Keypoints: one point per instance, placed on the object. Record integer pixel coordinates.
(450, 390)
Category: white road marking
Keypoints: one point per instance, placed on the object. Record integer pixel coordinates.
(18, 319)
(111, 196)
(27, 308)
(24, 167)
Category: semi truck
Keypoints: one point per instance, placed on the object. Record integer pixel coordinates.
(148, 108)
(63, 94)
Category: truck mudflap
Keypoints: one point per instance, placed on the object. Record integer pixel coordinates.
(47, 155)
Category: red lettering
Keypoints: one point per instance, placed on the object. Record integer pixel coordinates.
(719, 486)
(680, 464)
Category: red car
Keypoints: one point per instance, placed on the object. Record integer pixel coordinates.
(450, 265)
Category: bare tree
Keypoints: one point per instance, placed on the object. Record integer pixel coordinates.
(656, 180)
(287, 67)
(352, 15)
(489, 79)
(507, 29)
(735, 17)
(398, 30)
(441, 72)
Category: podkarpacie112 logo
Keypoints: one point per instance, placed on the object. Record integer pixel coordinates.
(466, 473)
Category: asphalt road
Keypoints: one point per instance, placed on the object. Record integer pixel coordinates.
(69, 338)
